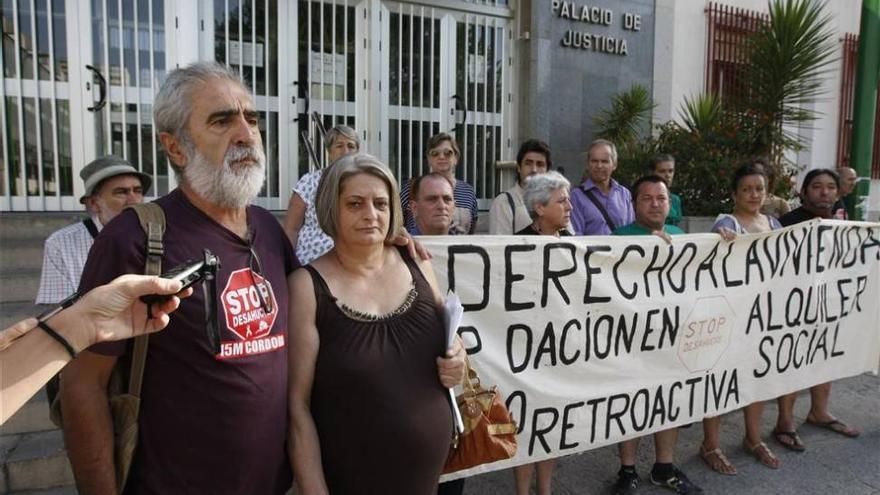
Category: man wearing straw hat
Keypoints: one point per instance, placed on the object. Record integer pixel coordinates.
(111, 184)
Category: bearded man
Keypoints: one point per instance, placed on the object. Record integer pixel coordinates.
(213, 419)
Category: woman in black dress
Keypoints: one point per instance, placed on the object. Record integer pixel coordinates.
(368, 411)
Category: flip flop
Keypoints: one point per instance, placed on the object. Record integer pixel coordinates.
(836, 426)
(789, 440)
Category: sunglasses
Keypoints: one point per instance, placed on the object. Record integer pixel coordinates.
(445, 153)
(257, 267)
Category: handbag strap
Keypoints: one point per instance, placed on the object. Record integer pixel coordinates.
(91, 227)
(152, 220)
(470, 382)
(512, 212)
(592, 197)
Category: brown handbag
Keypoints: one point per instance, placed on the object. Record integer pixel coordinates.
(489, 432)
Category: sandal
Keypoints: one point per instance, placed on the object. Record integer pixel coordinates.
(763, 453)
(789, 440)
(836, 426)
(717, 461)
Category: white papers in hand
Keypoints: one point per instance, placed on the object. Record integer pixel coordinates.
(452, 311)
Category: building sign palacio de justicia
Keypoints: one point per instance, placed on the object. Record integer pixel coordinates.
(599, 17)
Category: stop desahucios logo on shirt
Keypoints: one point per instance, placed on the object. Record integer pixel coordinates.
(247, 317)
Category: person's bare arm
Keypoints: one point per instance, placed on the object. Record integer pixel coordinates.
(296, 215)
(451, 367)
(303, 444)
(88, 427)
(29, 356)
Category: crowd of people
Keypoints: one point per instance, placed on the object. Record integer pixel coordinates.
(349, 352)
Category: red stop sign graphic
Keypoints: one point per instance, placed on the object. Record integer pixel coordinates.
(246, 316)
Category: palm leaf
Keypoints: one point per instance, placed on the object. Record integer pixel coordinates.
(787, 61)
(702, 113)
(630, 112)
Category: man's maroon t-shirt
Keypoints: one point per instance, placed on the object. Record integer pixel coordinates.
(209, 423)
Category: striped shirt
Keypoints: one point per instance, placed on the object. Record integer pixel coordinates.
(64, 257)
(464, 218)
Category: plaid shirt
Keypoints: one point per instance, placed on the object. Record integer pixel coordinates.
(64, 257)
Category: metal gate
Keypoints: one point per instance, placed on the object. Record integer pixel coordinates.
(80, 77)
(78, 82)
(446, 70)
(35, 108)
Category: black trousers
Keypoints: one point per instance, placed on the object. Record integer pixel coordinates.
(454, 487)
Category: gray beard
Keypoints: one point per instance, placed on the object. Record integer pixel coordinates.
(222, 185)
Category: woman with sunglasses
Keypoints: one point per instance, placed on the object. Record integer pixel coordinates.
(443, 155)
(300, 223)
(369, 366)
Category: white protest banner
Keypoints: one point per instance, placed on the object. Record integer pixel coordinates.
(594, 340)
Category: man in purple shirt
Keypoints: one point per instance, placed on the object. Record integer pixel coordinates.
(213, 418)
(600, 204)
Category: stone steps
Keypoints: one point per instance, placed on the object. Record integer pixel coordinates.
(64, 490)
(34, 225)
(14, 311)
(35, 461)
(32, 455)
(22, 253)
(32, 417)
(19, 285)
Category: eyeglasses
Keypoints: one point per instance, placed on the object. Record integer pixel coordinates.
(447, 153)
(257, 267)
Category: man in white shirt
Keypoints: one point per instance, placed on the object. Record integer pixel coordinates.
(508, 213)
(111, 184)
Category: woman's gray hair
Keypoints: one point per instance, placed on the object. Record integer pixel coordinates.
(539, 188)
(344, 131)
(173, 104)
(330, 187)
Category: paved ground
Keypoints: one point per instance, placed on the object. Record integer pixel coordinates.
(832, 463)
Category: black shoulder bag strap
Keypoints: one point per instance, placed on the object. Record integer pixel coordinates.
(592, 197)
(512, 212)
(91, 227)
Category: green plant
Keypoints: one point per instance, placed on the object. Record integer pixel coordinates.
(703, 113)
(785, 64)
(783, 72)
(627, 118)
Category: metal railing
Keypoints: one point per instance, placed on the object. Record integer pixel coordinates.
(850, 47)
(729, 29)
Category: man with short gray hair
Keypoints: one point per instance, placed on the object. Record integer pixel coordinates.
(111, 184)
(600, 204)
(213, 404)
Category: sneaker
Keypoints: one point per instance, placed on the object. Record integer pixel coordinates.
(679, 483)
(627, 483)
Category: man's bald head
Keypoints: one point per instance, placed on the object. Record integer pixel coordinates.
(848, 180)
